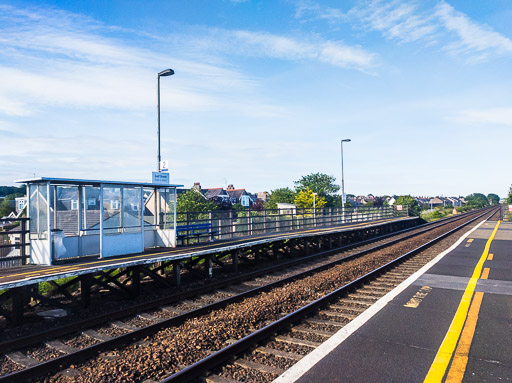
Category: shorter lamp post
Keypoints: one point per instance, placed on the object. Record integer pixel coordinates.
(343, 183)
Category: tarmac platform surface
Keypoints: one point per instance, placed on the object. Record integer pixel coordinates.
(457, 328)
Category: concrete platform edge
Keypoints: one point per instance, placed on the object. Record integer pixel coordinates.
(301, 367)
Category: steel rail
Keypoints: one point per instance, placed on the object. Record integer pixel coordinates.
(47, 367)
(201, 367)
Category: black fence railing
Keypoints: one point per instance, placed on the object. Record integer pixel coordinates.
(14, 247)
(226, 224)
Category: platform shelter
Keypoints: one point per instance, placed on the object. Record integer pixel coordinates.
(75, 218)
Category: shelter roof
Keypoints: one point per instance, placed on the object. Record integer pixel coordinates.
(75, 181)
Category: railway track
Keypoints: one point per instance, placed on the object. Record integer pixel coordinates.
(267, 353)
(60, 349)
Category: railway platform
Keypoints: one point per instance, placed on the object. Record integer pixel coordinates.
(449, 322)
(122, 275)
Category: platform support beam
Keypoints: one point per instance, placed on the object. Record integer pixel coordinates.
(18, 303)
(209, 264)
(135, 275)
(235, 260)
(85, 290)
(176, 268)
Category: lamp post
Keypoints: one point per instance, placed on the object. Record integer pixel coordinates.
(343, 182)
(342, 177)
(164, 73)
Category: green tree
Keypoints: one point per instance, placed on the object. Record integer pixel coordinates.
(281, 195)
(322, 184)
(194, 201)
(477, 200)
(509, 197)
(493, 199)
(15, 190)
(414, 207)
(6, 206)
(304, 199)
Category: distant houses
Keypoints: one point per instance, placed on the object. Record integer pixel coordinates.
(440, 202)
(423, 202)
(228, 197)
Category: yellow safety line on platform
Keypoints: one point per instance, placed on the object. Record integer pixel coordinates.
(445, 352)
(60, 269)
(460, 358)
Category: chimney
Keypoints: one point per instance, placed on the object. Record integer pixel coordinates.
(197, 186)
(230, 187)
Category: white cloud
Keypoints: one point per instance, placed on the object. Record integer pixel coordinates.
(303, 48)
(396, 20)
(496, 116)
(52, 57)
(471, 36)
(416, 21)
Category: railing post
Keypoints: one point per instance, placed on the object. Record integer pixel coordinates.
(187, 227)
(231, 224)
(249, 221)
(22, 242)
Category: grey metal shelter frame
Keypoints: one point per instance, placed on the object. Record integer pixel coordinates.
(74, 218)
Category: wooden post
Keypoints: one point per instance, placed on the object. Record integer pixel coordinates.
(209, 264)
(235, 260)
(85, 290)
(135, 281)
(18, 303)
(176, 268)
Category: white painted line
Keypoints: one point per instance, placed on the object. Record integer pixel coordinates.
(306, 363)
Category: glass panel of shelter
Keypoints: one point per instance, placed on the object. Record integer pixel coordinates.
(132, 209)
(38, 212)
(166, 208)
(90, 210)
(112, 223)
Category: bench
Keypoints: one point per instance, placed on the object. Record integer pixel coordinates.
(195, 230)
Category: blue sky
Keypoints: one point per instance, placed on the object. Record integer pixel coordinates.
(263, 92)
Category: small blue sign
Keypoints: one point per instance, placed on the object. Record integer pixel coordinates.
(160, 178)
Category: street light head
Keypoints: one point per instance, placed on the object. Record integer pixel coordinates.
(346, 140)
(167, 72)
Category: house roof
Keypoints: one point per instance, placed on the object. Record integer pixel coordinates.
(236, 193)
(214, 192)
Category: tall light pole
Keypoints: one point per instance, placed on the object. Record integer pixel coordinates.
(164, 73)
(342, 178)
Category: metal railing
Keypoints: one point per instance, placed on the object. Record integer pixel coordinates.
(506, 212)
(14, 247)
(226, 224)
